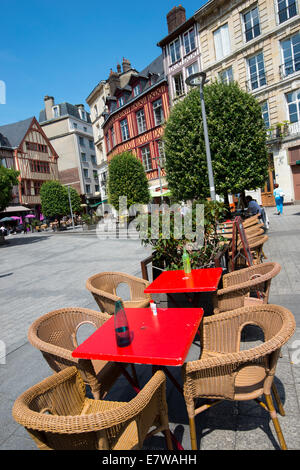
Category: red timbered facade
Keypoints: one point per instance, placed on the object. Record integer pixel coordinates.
(35, 159)
(135, 119)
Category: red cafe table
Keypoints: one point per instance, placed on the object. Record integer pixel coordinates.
(195, 283)
(162, 340)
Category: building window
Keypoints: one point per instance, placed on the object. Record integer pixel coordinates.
(265, 113)
(85, 129)
(95, 174)
(178, 84)
(286, 9)
(222, 42)
(37, 166)
(175, 50)
(55, 111)
(36, 147)
(120, 101)
(226, 76)
(37, 187)
(158, 112)
(189, 41)
(146, 158)
(251, 24)
(293, 102)
(85, 172)
(3, 162)
(256, 71)
(83, 157)
(91, 144)
(161, 153)
(108, 146)
(141, 121)
(82, 114)
(137, 90)
(95, 110)
(290, 55)
(97, 188)
(113, 137)
(124, 130)
(81, 141)
(75, 125)
(87, 188)
(193, 68)
(93, 159)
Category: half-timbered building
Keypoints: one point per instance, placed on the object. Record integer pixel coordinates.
(134, 118)
(33, 156)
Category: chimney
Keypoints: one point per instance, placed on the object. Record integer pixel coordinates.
(126, 65)
(49, 103)
(175, 18)
(113, 81)
(119, 70)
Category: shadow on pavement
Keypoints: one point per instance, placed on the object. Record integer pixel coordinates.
(25, 240)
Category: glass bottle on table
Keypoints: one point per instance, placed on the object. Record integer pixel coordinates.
(186, 262)
(121, 325)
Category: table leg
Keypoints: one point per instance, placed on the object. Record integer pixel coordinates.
(129, 378)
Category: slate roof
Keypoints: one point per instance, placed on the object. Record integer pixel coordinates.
(65, 109)
(14, 133)
(154, 69)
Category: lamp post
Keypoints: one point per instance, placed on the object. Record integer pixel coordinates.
(199, 79)
(159, 165)
(70, 207)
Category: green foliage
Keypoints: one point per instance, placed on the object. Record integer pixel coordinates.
(55, 200)
(8, 179)
(168, 251)
(237, 138)
(127, 178)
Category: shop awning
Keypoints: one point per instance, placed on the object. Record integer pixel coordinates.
(98, 203)
(17, 209)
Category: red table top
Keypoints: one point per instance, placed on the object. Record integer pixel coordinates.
(199, 280)
(164, 339)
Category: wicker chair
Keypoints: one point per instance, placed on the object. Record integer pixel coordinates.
(54, 334)
(58, 416)
(223, 372)
(245, 285)
(103, 287)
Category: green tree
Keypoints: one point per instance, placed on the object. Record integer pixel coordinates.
(55, 200)
(8, 179)
(126, 177)
(237, 138)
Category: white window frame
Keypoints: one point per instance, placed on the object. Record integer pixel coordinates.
(176, 57)
(258, 79)
(226, 78)
(220, 32)
(187, 74)
(120, 101)
(55, 111)
(268, 111)
(137, 90)
(250, 10)
(182, 84)
(277, 11)
(156, 106)
(147, 159)
(293, 55)
(113, 136)
(141, 121)
(125, 136)
(188, 35)
(297, 105)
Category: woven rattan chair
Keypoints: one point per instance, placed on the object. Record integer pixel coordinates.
(243, 285)
(58, 416)
(223, 372)
(103, 287)
(54, 334)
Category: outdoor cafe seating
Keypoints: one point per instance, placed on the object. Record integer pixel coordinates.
(57, 412)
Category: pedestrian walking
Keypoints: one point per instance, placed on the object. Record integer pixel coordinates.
(279, 195)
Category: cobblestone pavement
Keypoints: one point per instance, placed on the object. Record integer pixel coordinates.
(43, 272)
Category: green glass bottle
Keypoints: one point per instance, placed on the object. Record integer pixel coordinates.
(186, 262)
(121, 325)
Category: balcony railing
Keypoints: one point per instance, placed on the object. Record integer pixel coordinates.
(283, 130)
(289, 67)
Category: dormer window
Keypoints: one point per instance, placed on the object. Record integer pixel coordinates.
(55, 111)
(137, 90)
(82, 114)
(120, 101)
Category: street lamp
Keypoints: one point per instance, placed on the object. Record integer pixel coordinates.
(159, 166)
(199, 79)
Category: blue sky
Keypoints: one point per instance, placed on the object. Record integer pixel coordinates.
(63, 48)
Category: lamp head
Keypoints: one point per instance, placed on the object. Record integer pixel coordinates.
(196, 79)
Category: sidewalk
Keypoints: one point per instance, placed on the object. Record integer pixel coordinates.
(228, 426)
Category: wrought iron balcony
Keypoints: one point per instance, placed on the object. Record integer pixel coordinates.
(256, 82)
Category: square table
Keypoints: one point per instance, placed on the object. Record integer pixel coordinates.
(197, 282)
(162, 340)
